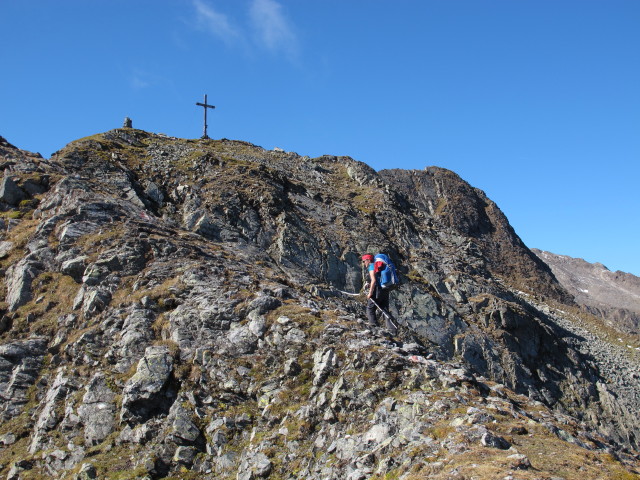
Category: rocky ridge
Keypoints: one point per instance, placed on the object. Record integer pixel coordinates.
(614, 296)
(174, 309)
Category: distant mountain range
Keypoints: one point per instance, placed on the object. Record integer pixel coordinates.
(614, 296)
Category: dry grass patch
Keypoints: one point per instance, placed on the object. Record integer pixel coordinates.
(52, 296)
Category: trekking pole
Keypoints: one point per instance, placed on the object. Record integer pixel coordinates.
(350, 294)
(376, 304)
(387, 316)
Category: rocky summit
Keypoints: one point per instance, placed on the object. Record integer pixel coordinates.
(191, 309)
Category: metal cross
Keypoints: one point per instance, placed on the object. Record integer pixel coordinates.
(205, 106)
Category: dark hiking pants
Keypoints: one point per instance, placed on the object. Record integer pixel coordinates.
(381, 297)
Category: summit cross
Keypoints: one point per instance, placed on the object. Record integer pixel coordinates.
(205, 105)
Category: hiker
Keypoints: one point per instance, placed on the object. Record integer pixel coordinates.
(376, 295)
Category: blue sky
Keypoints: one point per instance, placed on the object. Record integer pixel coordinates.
(536, 102)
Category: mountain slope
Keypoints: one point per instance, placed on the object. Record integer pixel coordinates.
(453, 203)
(614, 296)
(173, 308)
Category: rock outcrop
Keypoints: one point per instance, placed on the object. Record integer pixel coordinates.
(181, 309)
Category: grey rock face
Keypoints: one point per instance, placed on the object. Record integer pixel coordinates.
(10, 193)
(323, 362)
(467, 210)
(240, 341)
(135, 333)
(71, 231)
(5, 247)
(254, 466)
(145, 392)
(94, 301)
(49, 416)
(20, 363)
(74, 267)
(185, 309)
(205, 316)
(98, 410)
(154, 193)
(183, 430)
(18, 280)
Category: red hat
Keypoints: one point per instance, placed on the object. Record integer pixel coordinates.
(367, 256)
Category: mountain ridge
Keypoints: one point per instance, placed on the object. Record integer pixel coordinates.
(174, 308)
(614, 296)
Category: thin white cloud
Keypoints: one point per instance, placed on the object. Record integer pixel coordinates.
(266, 28)
(273, 30)
(138, 83)
(215, 22)
(140, 79)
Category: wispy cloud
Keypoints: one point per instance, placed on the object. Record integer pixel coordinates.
(140, 79)
(138, 83)
(267, 27)
(216, 23)
(272, 29)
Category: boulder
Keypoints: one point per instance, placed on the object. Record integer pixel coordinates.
(153, 192)
(74, 267)
(98, 409)
(240, 341)
(10, 193)
(183, 430)
(95, 301)
(145, 392)
(19, 278)
(254, 465)
(323, 363)
(5, 248)
(494, 441)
